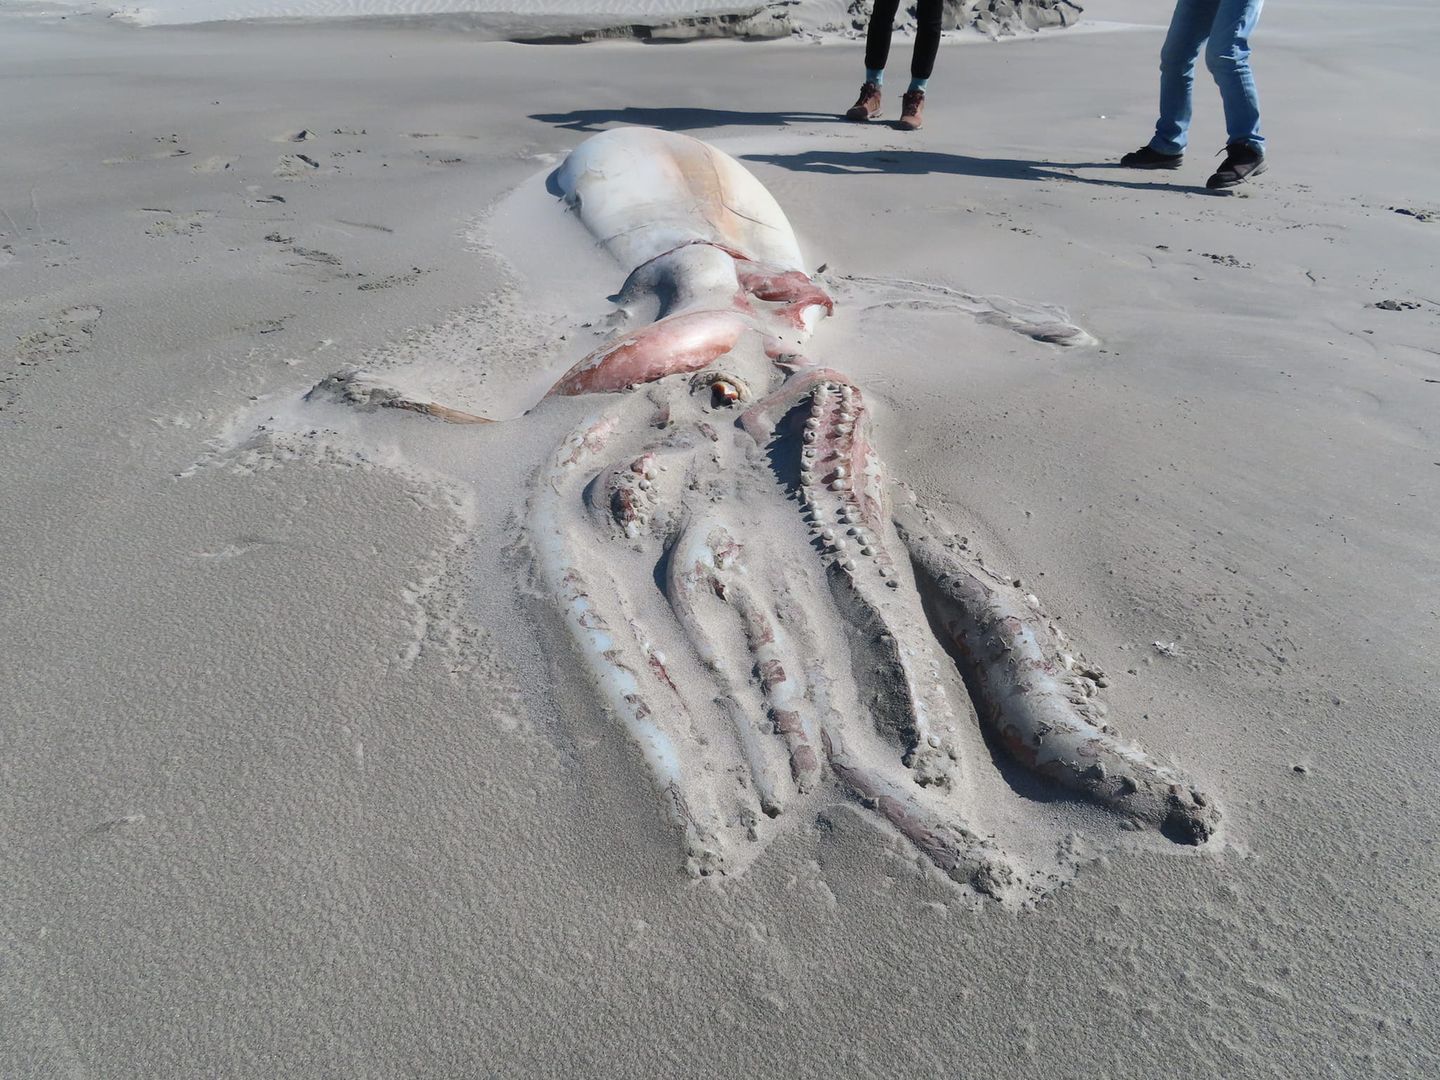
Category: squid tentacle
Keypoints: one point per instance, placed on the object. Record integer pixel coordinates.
(963, 855)
(360, 389)
(694, 580)
(617, 664)
(778, 672)
(841, 488)
(1022, 691)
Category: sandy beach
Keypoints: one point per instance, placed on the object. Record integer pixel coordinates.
(300, 773)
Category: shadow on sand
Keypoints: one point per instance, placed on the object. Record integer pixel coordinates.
(678, 119)
(917, 162)
(856, 162)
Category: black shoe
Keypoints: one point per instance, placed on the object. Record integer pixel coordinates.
(1242, 162)
(1146, 158)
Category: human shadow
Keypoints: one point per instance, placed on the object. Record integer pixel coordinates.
(678, 119)
(919, 162)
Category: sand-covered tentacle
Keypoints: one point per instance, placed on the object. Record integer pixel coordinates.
(777, 668)
(1041, 322)
(697, 570)
(960, 853)
(625, 666)
(624, 493)
(360, 389)
(1025, 692)
(640, 494)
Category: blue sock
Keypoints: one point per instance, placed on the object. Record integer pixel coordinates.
(917, 84)
(875, 75)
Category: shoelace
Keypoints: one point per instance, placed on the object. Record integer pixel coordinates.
(1251, 156)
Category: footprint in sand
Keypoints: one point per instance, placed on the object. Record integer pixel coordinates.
(213, 165)
(296, 166)
(323, 263)
(169, 223)
(267, 326)
(170, 147)
(1227, 260)
(364, 225)
(132, 159)
(442, 159)
(316, 255)
(389, 282)
(65, 333)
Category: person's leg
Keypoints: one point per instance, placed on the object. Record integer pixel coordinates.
(1189, 27)
(927, 42)
(1228, 58)
(922, 63)
(877, 51)
(877, 39)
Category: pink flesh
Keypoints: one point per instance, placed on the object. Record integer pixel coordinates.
(681, 343)
(790, 286)
(794, 314)
(851, 450)
(760, 419)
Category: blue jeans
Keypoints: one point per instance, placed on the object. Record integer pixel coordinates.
(1226, 25)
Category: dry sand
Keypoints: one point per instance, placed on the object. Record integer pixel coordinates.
(300, 775)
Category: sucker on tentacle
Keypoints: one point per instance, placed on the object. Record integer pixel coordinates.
(840, 488)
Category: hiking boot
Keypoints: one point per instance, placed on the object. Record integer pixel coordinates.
(912, 104)
(867, 105)
(1146, 158)
(1242, 161)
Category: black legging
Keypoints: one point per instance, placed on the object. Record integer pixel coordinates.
(927, 36)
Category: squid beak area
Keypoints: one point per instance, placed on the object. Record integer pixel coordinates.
(724, 390)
